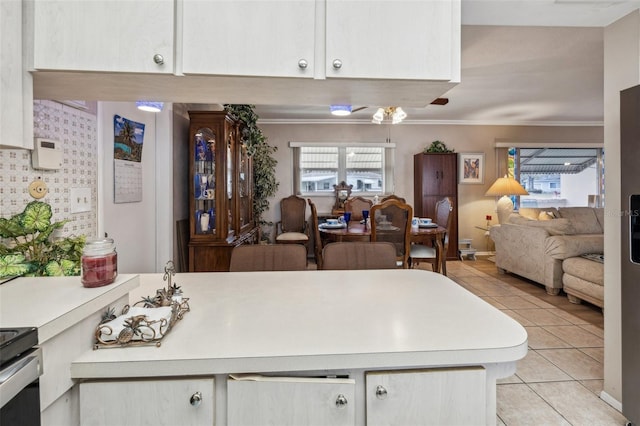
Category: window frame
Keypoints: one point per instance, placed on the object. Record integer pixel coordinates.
(388, 166)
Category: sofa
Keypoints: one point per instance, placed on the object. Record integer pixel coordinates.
(555, 247)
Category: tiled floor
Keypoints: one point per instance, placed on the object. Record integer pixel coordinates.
(560, 379)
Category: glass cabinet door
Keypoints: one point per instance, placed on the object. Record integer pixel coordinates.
(204, 177)
(244, 188)
(230, 172)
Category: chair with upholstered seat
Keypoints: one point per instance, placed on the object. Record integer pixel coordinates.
(420, 252)
(359, 255)
(356, 205)
(268, 257)
(292, 227)
(317, 241)
(391, 221)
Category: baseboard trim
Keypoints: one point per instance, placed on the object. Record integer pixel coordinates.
(611, 401)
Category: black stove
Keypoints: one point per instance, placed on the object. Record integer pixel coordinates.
(15, 341)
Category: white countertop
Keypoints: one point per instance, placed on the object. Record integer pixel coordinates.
(244, 322)
(53, 304)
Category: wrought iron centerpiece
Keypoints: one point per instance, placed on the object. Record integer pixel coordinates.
(147, 321)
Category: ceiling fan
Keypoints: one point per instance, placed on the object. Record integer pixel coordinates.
(437, 101)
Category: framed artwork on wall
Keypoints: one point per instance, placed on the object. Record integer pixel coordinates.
(471, 168)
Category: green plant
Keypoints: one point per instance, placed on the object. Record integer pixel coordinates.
(28, 249)
(437, 146)
(265, 183)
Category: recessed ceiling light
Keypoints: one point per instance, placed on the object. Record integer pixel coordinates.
(150, 106)
(340, 110)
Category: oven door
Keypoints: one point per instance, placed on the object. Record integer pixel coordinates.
(19, 390)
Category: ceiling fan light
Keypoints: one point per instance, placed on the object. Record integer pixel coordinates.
(149, 106)
(378, 116)
(340, 110)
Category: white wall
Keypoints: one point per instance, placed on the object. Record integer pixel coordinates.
(621, 71)
(131, 225)
(577, 188)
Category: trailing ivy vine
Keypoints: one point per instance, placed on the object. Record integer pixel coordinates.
(265, 183)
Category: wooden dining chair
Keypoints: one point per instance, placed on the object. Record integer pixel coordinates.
(268, 257)
(394, 197)
(315, 228)
(391, 221)
(421, 252)
(292, 226)
(359, 255)
(356, 205)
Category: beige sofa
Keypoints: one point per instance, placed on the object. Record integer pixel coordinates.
(536, 242)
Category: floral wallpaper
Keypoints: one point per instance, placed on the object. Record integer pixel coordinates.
(76, 130)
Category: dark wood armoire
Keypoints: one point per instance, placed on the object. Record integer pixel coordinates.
(435, 176)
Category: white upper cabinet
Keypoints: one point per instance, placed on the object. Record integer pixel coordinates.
(249, 38)
(404, 39)
(401, 39)
(16, 86)
(102, 35)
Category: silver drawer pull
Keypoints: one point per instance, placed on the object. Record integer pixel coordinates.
(381, 392)
(158, 59)
(341, 401)
(195, 399)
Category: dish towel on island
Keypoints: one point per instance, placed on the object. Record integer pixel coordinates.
(150, 314)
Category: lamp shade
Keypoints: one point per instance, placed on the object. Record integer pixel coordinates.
(506, 186)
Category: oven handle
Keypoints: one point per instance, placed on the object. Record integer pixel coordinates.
(19, 375)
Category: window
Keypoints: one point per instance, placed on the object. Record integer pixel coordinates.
(557, 177)
(368, 167)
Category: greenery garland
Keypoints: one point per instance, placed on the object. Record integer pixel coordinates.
(265, 184)
(437, 146)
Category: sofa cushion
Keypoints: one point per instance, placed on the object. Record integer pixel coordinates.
(600, 216)
(565, 246)
(535, 212)
(583, 219)
(585, 269)
(553, 226)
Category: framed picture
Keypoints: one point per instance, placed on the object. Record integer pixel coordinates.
(471, 168)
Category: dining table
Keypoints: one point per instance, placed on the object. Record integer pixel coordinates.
(433, 234)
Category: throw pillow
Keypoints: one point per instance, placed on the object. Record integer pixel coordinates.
(546, 216)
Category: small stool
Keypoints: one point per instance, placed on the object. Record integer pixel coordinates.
(465, 249)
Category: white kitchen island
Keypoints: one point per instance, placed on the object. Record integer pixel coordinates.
(333, 347)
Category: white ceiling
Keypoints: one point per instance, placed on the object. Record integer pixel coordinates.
(523, 62)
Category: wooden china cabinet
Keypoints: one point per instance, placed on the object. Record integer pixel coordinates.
(220, 190)
(435, 176)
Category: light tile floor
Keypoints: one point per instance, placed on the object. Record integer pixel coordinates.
(560, 379)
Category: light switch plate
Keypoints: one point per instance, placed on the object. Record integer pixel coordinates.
(80, 199)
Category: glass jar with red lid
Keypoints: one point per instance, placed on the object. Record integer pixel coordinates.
(99, 262)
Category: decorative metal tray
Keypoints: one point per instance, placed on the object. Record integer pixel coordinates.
(147, 321)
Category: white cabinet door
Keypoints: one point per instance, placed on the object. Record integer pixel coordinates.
(249, 38)
(16, 86)
(147, 402)
(291, 401)
(103, 35)
(446, 396)
(403, 39)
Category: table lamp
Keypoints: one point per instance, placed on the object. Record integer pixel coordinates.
(505, 186)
